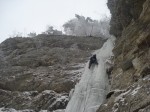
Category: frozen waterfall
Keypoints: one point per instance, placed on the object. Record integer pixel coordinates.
(91, 91)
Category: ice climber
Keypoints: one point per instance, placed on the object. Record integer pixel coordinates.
(93, 60)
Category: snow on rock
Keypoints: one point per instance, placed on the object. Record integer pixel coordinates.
(26, 110)
(115, 107)
(51, 99)
(59, 110)
(121, 96)
(13, 110)
(91, 91)
(135, 90)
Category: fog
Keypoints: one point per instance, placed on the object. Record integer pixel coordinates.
(34, 15)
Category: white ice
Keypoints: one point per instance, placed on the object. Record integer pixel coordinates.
(91, 91)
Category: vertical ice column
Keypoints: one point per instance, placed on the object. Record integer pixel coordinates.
(91, 91)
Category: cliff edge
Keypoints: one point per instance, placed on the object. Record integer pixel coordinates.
(130, 78)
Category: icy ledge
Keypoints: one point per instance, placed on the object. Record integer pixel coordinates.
(91, 91)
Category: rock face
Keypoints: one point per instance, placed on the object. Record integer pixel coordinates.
(130, 82)
(38, 73)
(123, 12)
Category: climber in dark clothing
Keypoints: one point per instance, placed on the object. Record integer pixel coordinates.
(93, 60)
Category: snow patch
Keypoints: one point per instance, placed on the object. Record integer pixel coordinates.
(26, 110)
(61, 98)
(121, 96)
(43, 110)
(115, 107)
(135, 90)
(147, 77)
(46, 91)
(13, 110)
(106, 105)
(60, 110)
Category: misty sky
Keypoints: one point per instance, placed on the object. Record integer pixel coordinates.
(34, 15)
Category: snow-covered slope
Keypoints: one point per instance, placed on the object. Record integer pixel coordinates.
(90, 92)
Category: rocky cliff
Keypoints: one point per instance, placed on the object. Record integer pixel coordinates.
(130, 77)
(38, 73)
